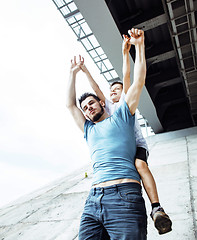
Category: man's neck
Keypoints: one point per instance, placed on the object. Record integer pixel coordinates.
(103, 117)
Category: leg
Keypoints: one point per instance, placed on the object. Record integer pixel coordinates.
(123, 212)
(147, 180)
(161, 219)
(90, 226)
(90, 229)
(105, 235)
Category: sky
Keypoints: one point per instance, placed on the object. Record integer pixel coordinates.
(39, 141)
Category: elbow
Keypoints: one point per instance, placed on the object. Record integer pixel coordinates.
(70, 102)
(69, 105)
(126, 74)
(141, 83)
(143, 77)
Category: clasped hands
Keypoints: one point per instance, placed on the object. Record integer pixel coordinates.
(136, 37)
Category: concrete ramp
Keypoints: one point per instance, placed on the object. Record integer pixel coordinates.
(53, 212)
(173, 162)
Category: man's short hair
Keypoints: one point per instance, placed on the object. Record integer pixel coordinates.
(85, 95)
(117, 82)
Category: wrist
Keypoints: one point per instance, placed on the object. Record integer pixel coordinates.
(140, 44)
(125, 52)
(73, 71)
(86, 71)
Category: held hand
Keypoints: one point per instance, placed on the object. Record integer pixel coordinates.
(83, 67)
(126, 45)
(137, 36)
(76, 66)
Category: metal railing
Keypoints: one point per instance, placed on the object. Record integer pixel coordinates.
(85, 36)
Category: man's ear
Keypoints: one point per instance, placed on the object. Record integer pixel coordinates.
(102, 103)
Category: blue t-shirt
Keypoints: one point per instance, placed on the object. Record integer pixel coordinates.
(112, 146)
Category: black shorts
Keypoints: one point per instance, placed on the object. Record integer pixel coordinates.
(142, 154)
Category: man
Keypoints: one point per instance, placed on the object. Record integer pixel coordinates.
(114, 208)
(117, 95)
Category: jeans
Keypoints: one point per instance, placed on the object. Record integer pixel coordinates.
(116, 212)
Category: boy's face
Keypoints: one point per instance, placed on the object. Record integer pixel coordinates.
(115, 92)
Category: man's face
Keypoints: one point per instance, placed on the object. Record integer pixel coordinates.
(115, 92)
(92, 109)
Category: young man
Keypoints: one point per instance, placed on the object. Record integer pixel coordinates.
(117, 96)
(114, 208)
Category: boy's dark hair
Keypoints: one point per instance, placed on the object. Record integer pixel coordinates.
(117, 82)
(85, 95)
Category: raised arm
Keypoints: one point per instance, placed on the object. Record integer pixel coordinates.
(71, 94)
(92, 82)
(134, 92)
(126, 46)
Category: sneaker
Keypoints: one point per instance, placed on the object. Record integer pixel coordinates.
(161, 220)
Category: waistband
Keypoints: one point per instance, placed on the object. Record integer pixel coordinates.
(116, 187)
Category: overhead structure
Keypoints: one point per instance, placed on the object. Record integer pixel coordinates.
(171, 52)
(182, 18)
(85, 36)
(169, 101)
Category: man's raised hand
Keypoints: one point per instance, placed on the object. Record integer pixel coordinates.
(76, 66)
(83, 66)
(126, 45)
(136, 36)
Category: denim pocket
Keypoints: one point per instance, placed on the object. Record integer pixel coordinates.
(132, 200)
(130, 196)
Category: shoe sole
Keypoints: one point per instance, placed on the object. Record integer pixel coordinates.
(163, 224)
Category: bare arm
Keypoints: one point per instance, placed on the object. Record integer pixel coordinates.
(134, 92)
(71, 95)
(126, 46)
(93, 84)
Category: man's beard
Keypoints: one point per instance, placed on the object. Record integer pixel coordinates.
(98, 115)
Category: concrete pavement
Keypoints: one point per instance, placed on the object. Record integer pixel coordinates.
(53, 212)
